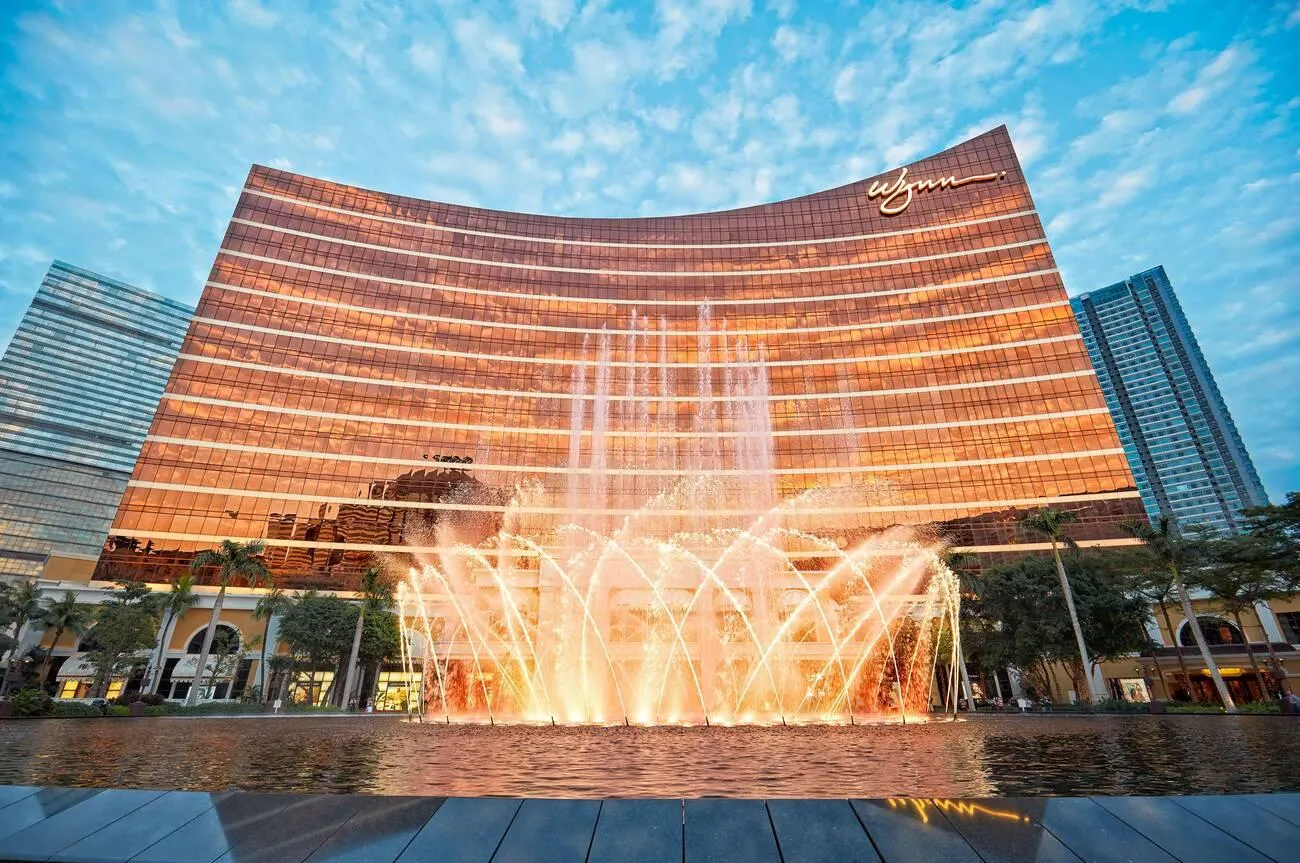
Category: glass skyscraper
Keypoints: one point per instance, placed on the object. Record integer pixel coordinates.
(1183, 447)
(79, 385)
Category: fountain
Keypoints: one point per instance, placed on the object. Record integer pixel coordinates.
(669, 579)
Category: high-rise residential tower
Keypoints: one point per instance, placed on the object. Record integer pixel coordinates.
(1186, 454)
(79, 385)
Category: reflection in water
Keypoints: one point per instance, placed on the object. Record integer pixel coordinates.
(986, 756)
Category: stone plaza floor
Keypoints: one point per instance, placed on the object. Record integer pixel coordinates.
(89, 824)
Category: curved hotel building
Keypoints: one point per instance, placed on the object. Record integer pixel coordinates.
(374, 380)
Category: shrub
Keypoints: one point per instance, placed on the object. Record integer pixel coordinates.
(1193, 708)
(30, 702)
(149, 698)
(72, 709)
(118, 710)
(1119, 705)
(1259, 707)
(155, 710)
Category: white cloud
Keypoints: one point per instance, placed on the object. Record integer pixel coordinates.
(612, 135)
(427, 58)
(568, 142)
(1124, 188)
(787, 43)
(251, 13)
(481, 44)
(554, 13)
(843, 89)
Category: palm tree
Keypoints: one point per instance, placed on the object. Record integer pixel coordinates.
(376, 596)
(1157, 587)
(232, 560)
(1163, 541)
(269, 606)
(180, 599)
(22, 604)
(1051, 524)
(62, 615)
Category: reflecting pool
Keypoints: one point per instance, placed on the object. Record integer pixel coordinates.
(982, 756)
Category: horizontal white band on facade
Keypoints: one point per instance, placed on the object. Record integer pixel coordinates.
(641, 333)
(640, 511)
(596, 361)
(668, 472)
(775, 398)
(614, 301)
(402, 421)
(1026, 418)
(656, 274)
(557, 241)
(437, 549)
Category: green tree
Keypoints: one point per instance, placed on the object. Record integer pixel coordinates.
(226, 654)
(1153, 583)
(1164, 542)
(62, 615)
(1277, 528)
(19, 604)
(231, 560)
(1051, 523)
(270, 605)
(1014, 615)
(125, 624)
(1241, 572)
(317, 630)
(376, 595)
(180, 599)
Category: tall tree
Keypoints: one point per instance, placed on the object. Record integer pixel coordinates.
(1051, 523)
(1163, 541)
(1014, 615)
(125, 624)
(63, 614)
(317, 631)
(1277, 527)
(270, 605)
(19, 604)
(180, 599)
(232, 560)
(376, 595)
(1154, 584)
(1241, 572)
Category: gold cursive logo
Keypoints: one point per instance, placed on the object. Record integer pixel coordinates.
(895, 196)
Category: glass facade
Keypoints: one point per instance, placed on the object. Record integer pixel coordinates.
(366, 371)
(79, 384)
(1187, 456)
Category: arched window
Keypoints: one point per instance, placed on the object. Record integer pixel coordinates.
(226, 640)
(1215, 629)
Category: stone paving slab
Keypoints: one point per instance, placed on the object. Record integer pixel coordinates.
(118, 826)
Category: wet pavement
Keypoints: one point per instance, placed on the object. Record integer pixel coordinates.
(73, 824)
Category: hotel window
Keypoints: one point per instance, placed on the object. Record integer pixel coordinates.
(1289, 621)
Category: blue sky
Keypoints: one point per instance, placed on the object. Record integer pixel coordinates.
(1152, 132)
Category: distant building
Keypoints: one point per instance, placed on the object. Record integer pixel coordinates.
(79, 385)
(1183, 447)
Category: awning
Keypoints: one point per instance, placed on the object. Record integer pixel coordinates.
(190, 663)
(77, 666)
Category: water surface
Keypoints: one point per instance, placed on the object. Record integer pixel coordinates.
(982, 756)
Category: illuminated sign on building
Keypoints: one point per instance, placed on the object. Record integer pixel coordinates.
(897, 195)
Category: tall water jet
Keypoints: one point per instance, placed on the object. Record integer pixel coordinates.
(667, 580)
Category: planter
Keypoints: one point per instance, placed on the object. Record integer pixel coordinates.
(138, 708)
(6, 710)
(1156, 707)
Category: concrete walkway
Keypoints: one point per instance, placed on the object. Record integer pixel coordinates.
(85, 824)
